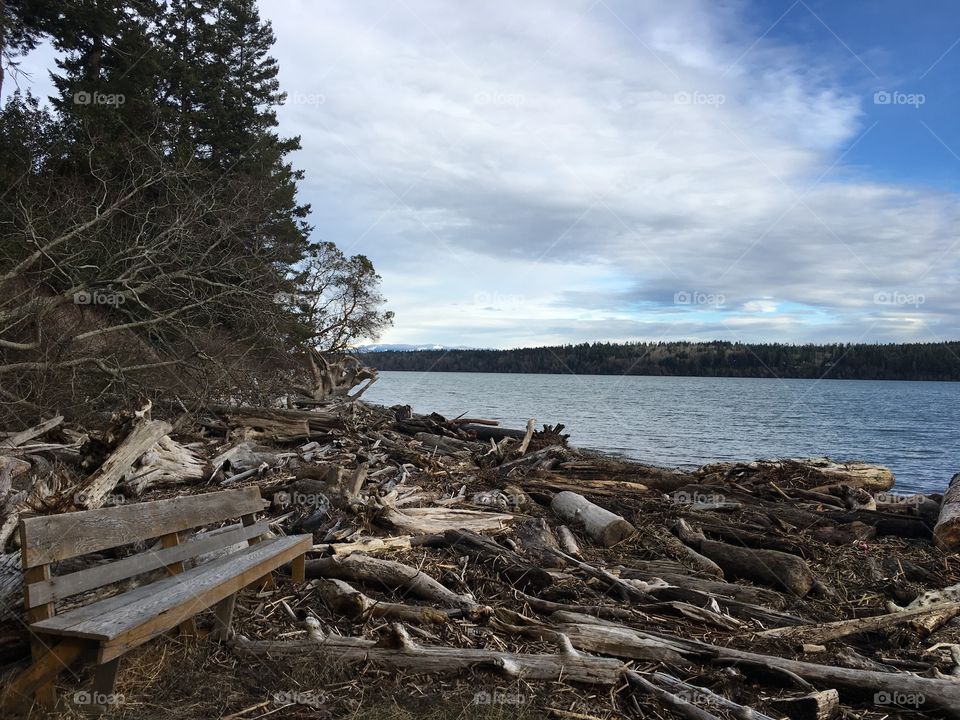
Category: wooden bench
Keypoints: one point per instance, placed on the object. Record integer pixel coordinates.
(106, 628)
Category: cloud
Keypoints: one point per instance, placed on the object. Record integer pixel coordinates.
(578, 164)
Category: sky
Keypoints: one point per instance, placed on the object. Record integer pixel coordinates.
(558, 171)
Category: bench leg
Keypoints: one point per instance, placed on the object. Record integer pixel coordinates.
(104, 680)
(298, 569)
(223, 617)
(37, 680)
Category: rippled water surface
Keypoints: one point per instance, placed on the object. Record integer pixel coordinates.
(912, 427)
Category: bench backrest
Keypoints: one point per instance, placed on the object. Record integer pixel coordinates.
(47, 539)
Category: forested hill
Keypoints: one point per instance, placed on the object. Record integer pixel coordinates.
(919, 361)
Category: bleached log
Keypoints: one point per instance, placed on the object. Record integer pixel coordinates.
(946, 533)
(943, 695)
(401, 653)
(340, 597)
(843, 628)
(527, 437)
(92, 492)
(390, 575)
(367, 545)
(604, 527)
(166, 463)
(271, 425)
(425, 521)
(568, 542)
(25, 436)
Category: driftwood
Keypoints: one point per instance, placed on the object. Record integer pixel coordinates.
(604, 527)
(400, 652)
(389, 575)
(92, 492)
(517, 570)
(677, 548)
(568, 541)
(335, 376)
(340, 597)
(768, 567)
(437, 520)
(695, 693)
(537, 540)
(24, 436)
(11, 585)
(263, 424)
(166, 463)
(823, 705)
(947, 531)
(843, 628)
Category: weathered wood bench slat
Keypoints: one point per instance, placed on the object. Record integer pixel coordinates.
(170, 598)
(108, 618)
(58, 537)
(64, 586)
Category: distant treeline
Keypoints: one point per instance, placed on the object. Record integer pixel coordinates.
(917, 361)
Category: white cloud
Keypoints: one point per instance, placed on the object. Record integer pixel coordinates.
(595, 158)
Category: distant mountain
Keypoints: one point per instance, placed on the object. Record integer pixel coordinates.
(404, 348)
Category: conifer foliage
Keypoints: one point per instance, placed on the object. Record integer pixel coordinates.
(152, 241)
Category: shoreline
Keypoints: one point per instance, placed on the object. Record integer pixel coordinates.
(597, 579)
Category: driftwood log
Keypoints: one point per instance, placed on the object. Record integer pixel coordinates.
(947, 531)
(400, 652)
(92, 492)
(390, 575)
(604, 527)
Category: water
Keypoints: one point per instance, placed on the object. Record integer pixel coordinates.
(911, 427)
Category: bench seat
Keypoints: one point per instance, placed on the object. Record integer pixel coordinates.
(124, 621)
